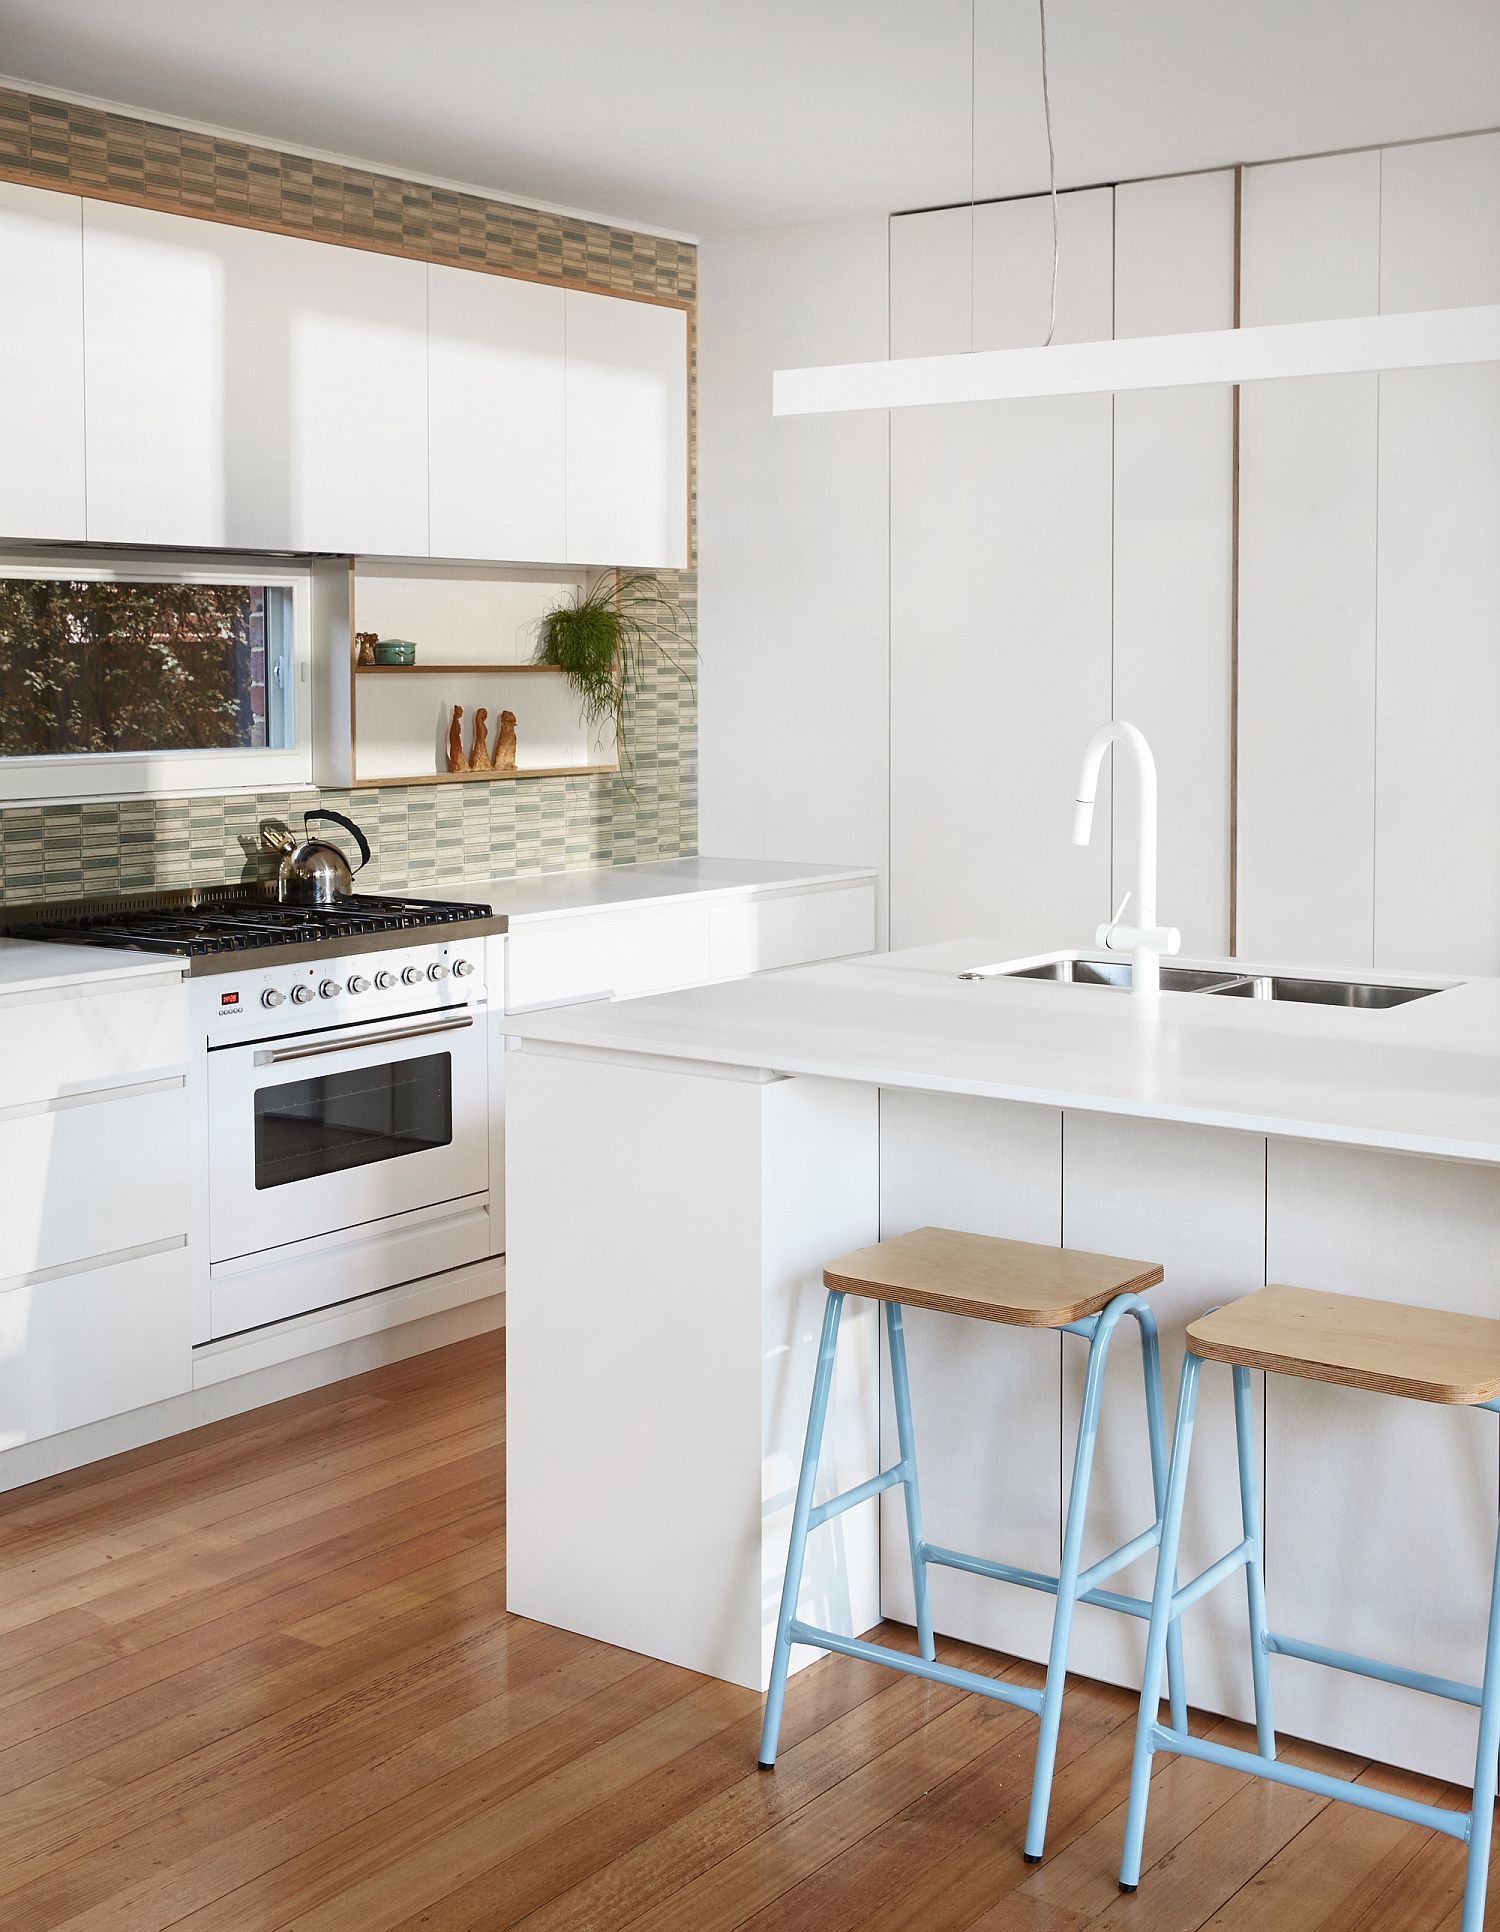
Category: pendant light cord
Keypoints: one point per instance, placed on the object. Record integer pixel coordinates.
(1051, 171)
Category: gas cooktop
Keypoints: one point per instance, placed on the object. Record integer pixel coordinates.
(218, 928)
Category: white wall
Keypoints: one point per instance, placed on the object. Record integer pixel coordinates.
(910, 624)
(793, 555)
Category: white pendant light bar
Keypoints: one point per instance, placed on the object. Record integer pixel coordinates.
(1357, 345)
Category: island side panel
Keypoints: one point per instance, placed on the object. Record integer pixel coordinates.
(667, 1228)
(1193, 1199)
(1381, 1512)
(985, 1397)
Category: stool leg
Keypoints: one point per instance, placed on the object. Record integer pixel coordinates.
(791, 1586)
(1156, 1436)
(1067, 1589)
(901, 1390)
(1255, 1581)
(1482, 1811)
(1161, 1623)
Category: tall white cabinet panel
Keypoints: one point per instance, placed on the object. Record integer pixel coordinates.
(1380, 1513)
(1000, 585)
(496, 419)
(41, 363)
(1310, 250)
(1193, 1200)
(984, 1396)
(1437, 833)
(251, 390)
(1173, 531)
(627, 432)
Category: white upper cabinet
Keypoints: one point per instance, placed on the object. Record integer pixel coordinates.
(41, 363)
(495, 392)
(627, 432)
(251, 390)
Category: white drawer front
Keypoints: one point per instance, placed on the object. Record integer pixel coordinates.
(604, 954)
(93, 1177)
(90, 1039)
(754, 935)
(82, 1347)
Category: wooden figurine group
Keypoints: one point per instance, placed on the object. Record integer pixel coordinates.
(479, 753)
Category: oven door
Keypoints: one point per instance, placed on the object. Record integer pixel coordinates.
(333, 1130)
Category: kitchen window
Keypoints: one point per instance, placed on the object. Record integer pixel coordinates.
(123, 676)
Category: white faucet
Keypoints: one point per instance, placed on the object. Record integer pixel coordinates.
(1145, 941)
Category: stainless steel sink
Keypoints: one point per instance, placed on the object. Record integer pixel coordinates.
(1321, 992)
(1111, 972)
(1223, 980)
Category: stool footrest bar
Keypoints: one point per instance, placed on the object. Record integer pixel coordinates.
(1418, 1680)
(1212, 1577)
(1454, 1824)
(949, 1674)
(852, 1498)
(1032, 1579)
(1118, 1559)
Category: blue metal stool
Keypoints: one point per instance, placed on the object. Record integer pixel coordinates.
(1027, 1287)
(1422, 1353)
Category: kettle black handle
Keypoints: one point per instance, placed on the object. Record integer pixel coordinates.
(349, 826)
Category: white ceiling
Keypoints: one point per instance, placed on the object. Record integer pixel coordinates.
(703, 116)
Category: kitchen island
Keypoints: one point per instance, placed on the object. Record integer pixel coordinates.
(688, 1163)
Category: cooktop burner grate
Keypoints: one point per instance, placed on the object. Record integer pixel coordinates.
(232, 925)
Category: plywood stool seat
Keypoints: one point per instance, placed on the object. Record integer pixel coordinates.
(979, 1275)
(1425, 1353)
(947, 1272)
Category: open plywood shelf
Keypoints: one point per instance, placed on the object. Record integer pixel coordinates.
(477, 777)
(458, 670)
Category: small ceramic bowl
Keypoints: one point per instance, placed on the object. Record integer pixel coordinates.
(395, 650)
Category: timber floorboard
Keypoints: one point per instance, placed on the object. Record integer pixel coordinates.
(262, 1677)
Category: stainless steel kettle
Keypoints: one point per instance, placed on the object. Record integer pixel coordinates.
(313, 872)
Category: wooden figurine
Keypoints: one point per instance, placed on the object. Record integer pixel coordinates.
(479, 754)
(456, 758)
(505, 742)
(365, 642)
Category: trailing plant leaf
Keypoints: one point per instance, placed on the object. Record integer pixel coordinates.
(604, 640)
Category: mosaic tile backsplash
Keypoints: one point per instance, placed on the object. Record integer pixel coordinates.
(421, 834)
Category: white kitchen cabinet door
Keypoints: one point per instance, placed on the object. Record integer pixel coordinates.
(1000, 585)
(41, 363)
(1173, 530)
(627, 434)
(496, 422)
(77, 1348)
(251, 390)
(1310, 250)
(1437, 704)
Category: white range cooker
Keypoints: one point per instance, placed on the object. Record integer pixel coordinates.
(342, 1101)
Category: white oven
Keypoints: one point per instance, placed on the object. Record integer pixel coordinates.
(317, 1134)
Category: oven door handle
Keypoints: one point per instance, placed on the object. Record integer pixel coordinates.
(276, 1054)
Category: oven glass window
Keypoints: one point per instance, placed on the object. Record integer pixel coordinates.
(336, 1121)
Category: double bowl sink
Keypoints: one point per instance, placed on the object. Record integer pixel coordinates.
(1224, 981)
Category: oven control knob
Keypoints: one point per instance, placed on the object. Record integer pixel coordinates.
(330, 989)
(359, 984)
(462, 968)
(437, 970)
(411, 975)
(384, 980)
(271, 997)
(301, 993)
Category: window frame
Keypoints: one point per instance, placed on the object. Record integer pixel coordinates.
(78, 777)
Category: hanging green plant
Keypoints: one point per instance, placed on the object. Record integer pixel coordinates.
(604, 640)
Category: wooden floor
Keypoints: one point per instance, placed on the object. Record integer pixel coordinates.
(263, 1676)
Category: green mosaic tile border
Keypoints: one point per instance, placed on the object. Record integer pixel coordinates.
(421, 834)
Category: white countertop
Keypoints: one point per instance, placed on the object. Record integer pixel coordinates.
(36, 966)
(1420, 1078)
(548, 895)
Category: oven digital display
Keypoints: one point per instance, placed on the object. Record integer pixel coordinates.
(229, 999)
(305, 1129)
